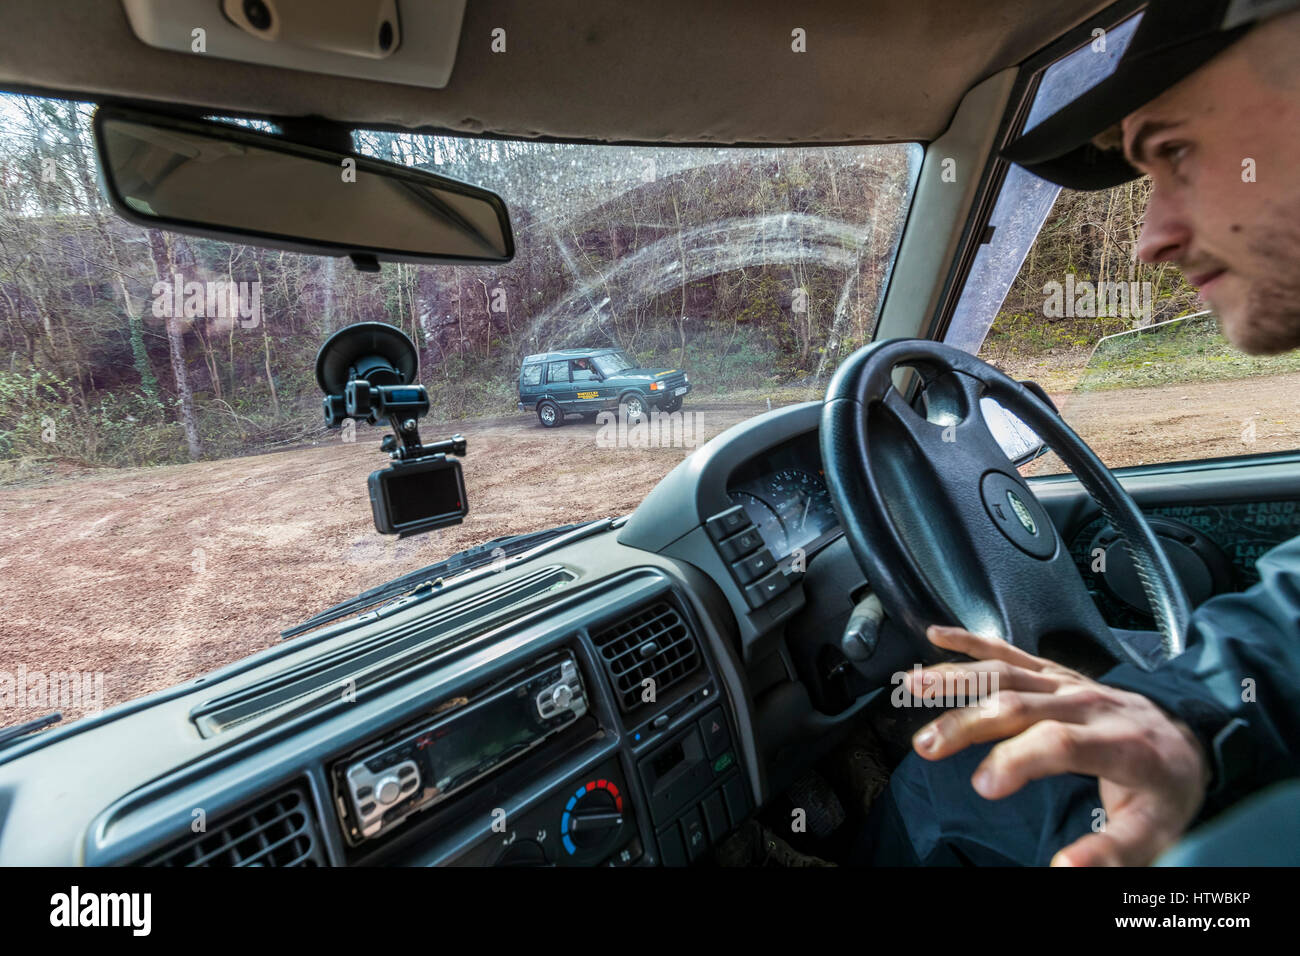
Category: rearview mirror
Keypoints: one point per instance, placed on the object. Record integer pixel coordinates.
(227, 182)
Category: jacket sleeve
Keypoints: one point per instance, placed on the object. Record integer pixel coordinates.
(1237, 685)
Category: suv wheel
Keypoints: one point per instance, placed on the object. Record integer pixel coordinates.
(632, 407)
(549, 414)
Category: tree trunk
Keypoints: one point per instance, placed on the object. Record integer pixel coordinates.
(487, 319)
(139, 354)
(266, 357)
(270, 379)
(176, 346)
(681, 253)
(161, 249)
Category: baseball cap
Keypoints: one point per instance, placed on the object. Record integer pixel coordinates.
(1174, 39)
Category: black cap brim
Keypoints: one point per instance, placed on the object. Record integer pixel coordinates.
(1060, 148)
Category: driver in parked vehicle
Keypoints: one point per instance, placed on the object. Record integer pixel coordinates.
(1081, 772)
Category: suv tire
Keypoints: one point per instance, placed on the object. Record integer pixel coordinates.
(549, 414)
(632, 407)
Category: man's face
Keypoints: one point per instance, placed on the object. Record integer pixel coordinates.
(1203, 142)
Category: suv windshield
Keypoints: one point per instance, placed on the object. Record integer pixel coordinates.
(610, 364)
(171, 497)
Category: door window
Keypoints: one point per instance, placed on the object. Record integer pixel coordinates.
(1126, 349)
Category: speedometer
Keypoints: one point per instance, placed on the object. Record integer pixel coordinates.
(803, 503)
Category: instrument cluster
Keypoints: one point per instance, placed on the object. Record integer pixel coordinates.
(784, 493)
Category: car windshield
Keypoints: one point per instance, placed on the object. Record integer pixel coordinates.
(171, 497)
(612, 363)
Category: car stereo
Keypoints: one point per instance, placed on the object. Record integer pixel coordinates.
(464, 739)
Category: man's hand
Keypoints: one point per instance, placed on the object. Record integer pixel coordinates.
(1051, 720)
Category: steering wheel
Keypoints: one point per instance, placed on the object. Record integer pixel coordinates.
(942, 524)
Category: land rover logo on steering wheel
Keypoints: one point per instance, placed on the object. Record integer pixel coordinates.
(1030, 530)
(1022, 513)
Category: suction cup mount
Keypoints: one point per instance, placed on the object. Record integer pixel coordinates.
(379, 353)
(367, 371)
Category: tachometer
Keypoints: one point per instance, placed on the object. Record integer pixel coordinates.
(770, 527)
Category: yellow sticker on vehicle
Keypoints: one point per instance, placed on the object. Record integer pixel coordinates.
(669, 372)
(588, 394)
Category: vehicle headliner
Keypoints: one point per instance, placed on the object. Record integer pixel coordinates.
(674, 71)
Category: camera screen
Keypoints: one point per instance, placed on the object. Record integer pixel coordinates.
(423, 493)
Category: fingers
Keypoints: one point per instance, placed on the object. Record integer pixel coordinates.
(966, 674)
(1048, 748)
(981, 648)
(1004, 714)
(1129, 839)
(1095, 849)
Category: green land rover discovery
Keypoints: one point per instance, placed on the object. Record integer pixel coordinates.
(587, 381)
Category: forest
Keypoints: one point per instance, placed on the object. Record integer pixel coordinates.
(751, 268)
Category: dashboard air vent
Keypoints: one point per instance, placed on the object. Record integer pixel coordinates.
(653, 644)
(279, 831)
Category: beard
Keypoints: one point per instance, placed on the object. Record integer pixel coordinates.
(1270, 322)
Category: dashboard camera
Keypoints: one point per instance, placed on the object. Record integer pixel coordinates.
(367, 372)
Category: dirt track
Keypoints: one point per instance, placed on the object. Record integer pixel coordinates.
(1184, 422)
(154, 576)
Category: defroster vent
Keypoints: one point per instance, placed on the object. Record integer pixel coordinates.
(278, 831)
(654, 644)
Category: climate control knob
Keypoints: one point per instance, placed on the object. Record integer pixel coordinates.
(592, 819)
(388, 790)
